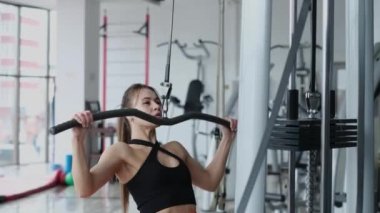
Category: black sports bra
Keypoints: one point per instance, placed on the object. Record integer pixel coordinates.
(155, 186)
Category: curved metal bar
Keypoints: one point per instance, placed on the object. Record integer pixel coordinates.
(134, 112)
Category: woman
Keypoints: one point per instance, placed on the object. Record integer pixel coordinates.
(159, 177)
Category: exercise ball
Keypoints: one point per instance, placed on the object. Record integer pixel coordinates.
(69, 179)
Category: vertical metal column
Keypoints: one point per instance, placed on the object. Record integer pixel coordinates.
(369, 147)
(253, 108)
(47, 92)
(292, 23)
(222, 69)
(361, 105)
(292, 182)
(351, 170)
(327, 61)
(16, 119)
(292, 97)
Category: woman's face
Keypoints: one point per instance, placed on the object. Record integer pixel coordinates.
(147, 101)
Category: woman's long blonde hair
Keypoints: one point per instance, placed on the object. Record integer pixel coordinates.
(124, 130)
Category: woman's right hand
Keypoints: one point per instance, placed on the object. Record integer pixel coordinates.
(85, 119)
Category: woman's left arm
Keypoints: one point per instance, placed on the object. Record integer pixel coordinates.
(209, 178)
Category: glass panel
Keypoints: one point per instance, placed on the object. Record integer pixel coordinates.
(32, 120)
(51, 141)
(53, 42)
(7, 113)
(8, 39)
(33, 43)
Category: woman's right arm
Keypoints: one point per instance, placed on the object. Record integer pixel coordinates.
(87, 181)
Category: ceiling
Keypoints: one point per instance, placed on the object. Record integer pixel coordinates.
(48, 4)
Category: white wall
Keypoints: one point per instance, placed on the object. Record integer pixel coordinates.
(77, 76)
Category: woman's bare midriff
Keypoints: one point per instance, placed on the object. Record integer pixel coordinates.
(190, 208)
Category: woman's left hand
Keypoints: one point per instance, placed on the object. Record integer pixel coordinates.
(229, 133)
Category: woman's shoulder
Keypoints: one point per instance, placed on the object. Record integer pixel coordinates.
(119, 144)
(123, 151)
(173, 144)
(176, 147)
(120, 147)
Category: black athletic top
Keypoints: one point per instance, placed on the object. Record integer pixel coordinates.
(156, 187)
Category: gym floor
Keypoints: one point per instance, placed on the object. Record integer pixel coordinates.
(62, 199)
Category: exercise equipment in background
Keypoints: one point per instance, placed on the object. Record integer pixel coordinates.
(305, 134)
(12, 187)
(113, 32)
(195, 101)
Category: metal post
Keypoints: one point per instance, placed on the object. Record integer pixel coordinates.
(360, 56)
(352, 28)
(16, 129)
(292, 91)
(253, 108)
(292, 23)
(292, 182)
(327, 60)
(261, 153)
(47, 92)
(369, 147)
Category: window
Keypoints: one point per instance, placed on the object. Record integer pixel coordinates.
(26, 85)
